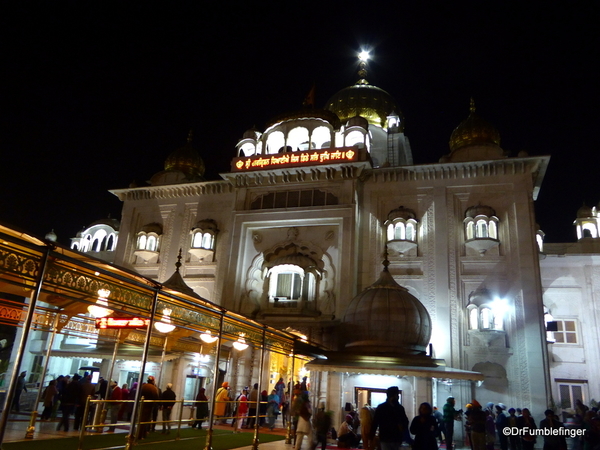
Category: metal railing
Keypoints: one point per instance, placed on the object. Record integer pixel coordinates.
(97, 411)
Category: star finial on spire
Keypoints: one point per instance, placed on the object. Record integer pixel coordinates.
(363, 56)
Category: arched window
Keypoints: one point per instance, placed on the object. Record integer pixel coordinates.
(354, 137)
(286, 282)
(481, 231)
(297, 139)
(207, 241)
(473, 318)
(110, 246)
(142, 242)
(151, 243)
(486, 318)
(197, 240)
(410, 232)
(321, 136)
(470, 230)
(493, 230)
(275, 141)
(390, 232)
(399, 232)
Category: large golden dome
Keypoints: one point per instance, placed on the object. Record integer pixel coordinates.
(187, 160)
(473, 131)
(365, 100)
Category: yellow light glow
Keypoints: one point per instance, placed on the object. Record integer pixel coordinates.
(165, 326)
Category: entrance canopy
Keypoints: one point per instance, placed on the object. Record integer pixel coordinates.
(379, 367)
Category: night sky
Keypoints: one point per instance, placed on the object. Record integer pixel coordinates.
(97, 94)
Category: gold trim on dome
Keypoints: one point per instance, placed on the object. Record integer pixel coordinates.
(473, 131)
(365, 100)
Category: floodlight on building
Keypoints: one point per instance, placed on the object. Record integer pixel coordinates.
(165, 325)
(240, 344)
(208, 338)
(100, 309)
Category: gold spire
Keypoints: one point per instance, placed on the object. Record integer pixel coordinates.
(190, 136)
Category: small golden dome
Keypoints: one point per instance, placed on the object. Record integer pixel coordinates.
(473, 131)
(365, 100)
(186, 159)
(584, 212)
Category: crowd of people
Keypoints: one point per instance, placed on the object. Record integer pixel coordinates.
(69, 394)
(385, 427)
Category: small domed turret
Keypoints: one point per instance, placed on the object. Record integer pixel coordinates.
(187, 160)
(474, 140)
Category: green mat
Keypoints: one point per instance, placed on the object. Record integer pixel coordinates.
(190, 439)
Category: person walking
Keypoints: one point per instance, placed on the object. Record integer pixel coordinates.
(168, 398)
(202, 412)
(425, 428)
(18, 390)
(390, 418)
(115, 395)
(221, 400)
(48, 398)
(252, 399)
(304, 427)
(149, 392)
(68, 401)
(450, 415)
(272, 408)
(242, 410)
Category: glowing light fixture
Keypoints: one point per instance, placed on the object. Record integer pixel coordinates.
(165, 325)
(240, 344)
(364, 56)
(208, 338)
(100, 309)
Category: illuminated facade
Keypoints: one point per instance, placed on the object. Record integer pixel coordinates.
(304, 216)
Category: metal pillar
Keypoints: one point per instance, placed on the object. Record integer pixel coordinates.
(162, 360)
(209, 431)
(132, 428)
(256, 441)
(30, 434)
(10, 394)
(288, 433)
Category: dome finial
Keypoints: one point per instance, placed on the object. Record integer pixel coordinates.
(190, 135)
(385, 262)
(178, 263)
(363, 56)
(472, 105)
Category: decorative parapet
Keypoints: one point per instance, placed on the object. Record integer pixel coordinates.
(174, 190)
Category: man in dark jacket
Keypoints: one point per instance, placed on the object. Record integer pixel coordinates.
(69, 398)
(149, 392)
(391, 420)
(168, 397)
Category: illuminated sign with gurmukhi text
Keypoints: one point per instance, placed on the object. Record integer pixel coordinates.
(295, 159)
(112, 323)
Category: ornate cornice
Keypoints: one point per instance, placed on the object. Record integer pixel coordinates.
(536, 166)
(174, 190)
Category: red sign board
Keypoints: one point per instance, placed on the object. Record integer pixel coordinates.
(296, 159)
(118, 322)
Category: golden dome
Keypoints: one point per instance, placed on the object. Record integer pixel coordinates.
(365, 100)
(473, 131)
(186, 159)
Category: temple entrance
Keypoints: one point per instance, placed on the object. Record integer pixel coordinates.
(370, 396)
